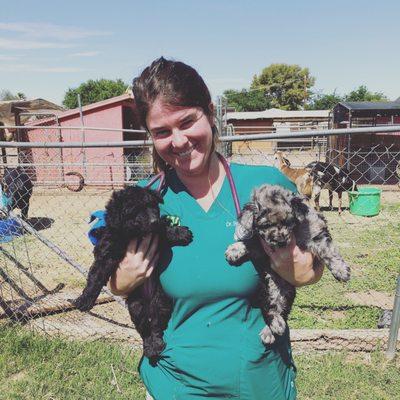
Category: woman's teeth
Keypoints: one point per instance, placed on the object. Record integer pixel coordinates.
(185, 153)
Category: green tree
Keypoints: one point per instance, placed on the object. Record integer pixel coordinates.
(363, 94)
(6, 95)
(247, 100)
(322, 101)
(93, 91)
(285, 86)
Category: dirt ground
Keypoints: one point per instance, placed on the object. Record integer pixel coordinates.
(62, 216)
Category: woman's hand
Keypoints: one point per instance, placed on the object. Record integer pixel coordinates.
(136, 266)
(294, 265)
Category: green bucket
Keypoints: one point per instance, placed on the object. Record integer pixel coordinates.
(365, 202)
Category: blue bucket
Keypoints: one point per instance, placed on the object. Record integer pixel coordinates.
(9, 228)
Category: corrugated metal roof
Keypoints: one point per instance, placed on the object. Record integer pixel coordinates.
(371, 105)
(274, 113)
(36, 105)
(89, 107)
(99, 104)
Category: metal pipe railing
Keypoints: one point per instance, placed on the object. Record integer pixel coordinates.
(236, 138)
(77, 128)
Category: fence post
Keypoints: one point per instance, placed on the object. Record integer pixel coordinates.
(221, 121)
(394, 326)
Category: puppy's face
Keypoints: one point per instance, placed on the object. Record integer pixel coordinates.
(270, 215)
(274, 220)
(134, 210)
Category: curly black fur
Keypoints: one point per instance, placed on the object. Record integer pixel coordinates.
(134, 213)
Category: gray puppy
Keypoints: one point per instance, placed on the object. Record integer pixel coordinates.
(274, 214)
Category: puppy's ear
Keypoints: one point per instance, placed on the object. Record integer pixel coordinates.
(244, 228)
(157, 195)
(300, 207)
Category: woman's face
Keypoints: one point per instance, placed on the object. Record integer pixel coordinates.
(182, 136)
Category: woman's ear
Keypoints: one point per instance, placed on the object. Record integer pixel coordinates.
(211, 108)
(211, 116)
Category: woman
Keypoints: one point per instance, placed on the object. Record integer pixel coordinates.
(213, 348)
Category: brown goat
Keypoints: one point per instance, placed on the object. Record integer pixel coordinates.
(301, 177)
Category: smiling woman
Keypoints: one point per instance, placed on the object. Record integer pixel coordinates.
(213, 348)
(182, 136)
(168, 85)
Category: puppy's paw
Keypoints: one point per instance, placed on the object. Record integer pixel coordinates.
(267, 336)
(187, 235)
(153, 347)
(235, 253)
(341, 272)
(278, 325)
(84, 303)
(180, 235)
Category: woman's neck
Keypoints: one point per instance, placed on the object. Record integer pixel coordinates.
(208, 183)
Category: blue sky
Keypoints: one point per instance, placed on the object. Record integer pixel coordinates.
(48, 46)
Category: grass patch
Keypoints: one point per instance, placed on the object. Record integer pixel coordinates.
(336, 376)
(325, 318)
(371, 247)
(35, 367)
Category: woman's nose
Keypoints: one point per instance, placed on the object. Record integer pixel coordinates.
(178, 139)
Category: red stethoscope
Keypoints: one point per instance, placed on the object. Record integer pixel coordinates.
(161, 184)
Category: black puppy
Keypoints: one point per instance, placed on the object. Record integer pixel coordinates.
(134, 213)
(17, 187)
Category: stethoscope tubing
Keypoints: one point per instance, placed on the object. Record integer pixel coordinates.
(161, 184)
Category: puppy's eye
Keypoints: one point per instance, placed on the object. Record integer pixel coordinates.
(263, 224)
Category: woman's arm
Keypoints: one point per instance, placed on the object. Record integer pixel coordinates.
(295, 266)
(136, 267)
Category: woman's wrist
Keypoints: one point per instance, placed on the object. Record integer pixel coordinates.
(308, 275)
(121, 282)
(296, 272)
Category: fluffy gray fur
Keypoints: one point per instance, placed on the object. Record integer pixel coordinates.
(274, 214)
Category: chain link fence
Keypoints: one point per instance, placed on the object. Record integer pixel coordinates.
(43, 255)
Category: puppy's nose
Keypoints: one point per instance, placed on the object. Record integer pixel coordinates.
(153, 221)
(283, 240)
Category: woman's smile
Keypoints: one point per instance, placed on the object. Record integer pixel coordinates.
(185, 154)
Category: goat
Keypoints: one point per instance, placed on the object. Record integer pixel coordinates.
(331, 177)
(301, 177)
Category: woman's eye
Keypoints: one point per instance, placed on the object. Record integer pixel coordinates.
(187, 124)
(161, 133)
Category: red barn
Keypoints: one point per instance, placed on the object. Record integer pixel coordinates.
(99, 166)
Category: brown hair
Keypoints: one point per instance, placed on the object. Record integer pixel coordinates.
(179, 85)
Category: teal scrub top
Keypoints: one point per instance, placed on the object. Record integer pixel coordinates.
(213, 348)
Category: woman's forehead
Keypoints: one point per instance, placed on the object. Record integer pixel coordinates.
(161, 113)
